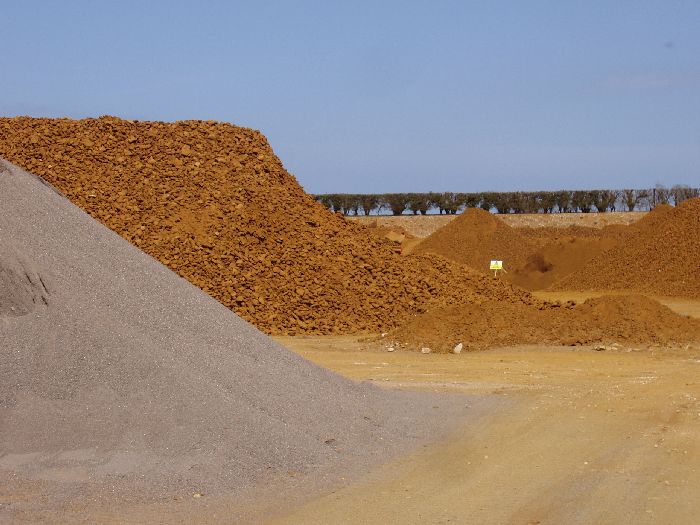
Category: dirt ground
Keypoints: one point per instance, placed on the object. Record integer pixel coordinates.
(587, 437)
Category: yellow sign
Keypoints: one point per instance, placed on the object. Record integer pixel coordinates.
(496, 265)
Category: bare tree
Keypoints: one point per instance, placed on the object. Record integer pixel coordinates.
(682, 192)
(472, 200)
(583, 200)
(644, 199)
(563, 201)
(661, 195)
(630, 198)
(419, 203)
(396, 202)
(369, 202)
(603, 200)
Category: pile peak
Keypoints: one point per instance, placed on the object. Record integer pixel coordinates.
(476, 237)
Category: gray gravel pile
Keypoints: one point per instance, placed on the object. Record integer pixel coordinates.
(21, 288)
(120, 381)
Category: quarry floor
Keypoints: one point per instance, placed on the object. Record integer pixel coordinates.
(582, 436)
(589, 437)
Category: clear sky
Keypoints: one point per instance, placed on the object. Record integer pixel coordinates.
(386, 96)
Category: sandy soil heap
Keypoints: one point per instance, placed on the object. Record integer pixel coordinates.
(533, 257)
(561, 251)
(572, 258)
(626, 320)
(475, 238)
(128, 383)
(212, 202)
(657, 255)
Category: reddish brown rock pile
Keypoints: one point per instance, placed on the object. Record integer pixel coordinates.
(213, 202)
(475, 238)
(627, 320)
(561, 251)
(658, 255)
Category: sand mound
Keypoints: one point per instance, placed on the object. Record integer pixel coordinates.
(212, 202)
(475, 238)
(392, 233)
(559, 256)
(560, 252)
(658, 255)
(533, 257)
(21, 287)
(133, 385)
(620, 319)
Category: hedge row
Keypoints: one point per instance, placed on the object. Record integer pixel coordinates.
(564, 201)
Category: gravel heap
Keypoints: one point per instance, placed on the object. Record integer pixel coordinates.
(121, 381)
(213, 203)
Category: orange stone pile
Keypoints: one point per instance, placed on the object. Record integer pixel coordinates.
(659, 255)
(214, 203)
(623, 320)
(475, 238)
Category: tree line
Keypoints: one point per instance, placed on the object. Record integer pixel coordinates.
(564, 201)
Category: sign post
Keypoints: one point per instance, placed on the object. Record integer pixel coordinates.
(496, 266)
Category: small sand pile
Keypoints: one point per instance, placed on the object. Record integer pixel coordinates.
(393, 233)
(129, 385)
(475, 238)
(659, 255)
(404, 240)
(533, 257)
(626, 320)
(561, 253)
(212, 202)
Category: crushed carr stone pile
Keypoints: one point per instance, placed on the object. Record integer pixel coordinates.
(657, 255)
(626, 320)
(475, 238)
(561, 251)
(212, 202)
(121, 383)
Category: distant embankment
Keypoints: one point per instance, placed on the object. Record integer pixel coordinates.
(425, 225)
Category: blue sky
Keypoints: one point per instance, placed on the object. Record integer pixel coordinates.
(387, 96)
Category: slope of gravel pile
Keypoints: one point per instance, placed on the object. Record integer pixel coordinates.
(212, 202)
(626, 320)
(121, 381)
(21, 288)
(475, 238)
(658, 255)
